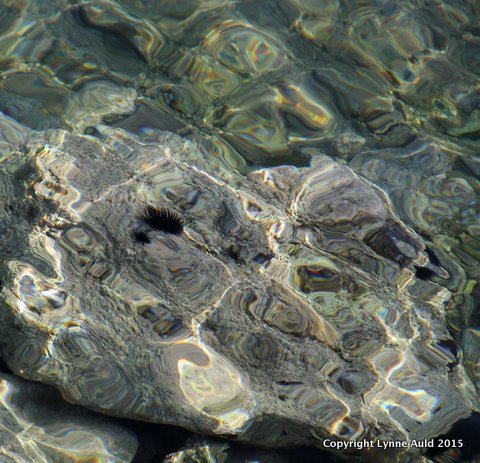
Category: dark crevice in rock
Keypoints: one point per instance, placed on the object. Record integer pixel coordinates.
(452, 348)
(431, 255)
(424, 273)
(4, 368)
(262, 258)
(233, 252)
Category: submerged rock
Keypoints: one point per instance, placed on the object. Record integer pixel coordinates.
(200, 452)
(36, 425)
(276, 308)
(207, 450)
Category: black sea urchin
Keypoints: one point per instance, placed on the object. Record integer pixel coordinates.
(162, 219)
(141, 237)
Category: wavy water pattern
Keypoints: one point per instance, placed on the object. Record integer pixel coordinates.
(47, 430)
(252, 219)
(244, 309)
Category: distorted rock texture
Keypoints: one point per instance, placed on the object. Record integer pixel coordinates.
(200, 452)
(307, 269)
(280, 308)
(37, 426)
(209, 450)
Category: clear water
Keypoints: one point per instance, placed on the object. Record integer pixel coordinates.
(391, 88)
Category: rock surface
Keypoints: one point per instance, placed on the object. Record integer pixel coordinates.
(280, 308)
(200, 452)
(205, 450)
(36, 426)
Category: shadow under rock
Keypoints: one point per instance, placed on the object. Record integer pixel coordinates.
(461, 444)
(156, 441)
